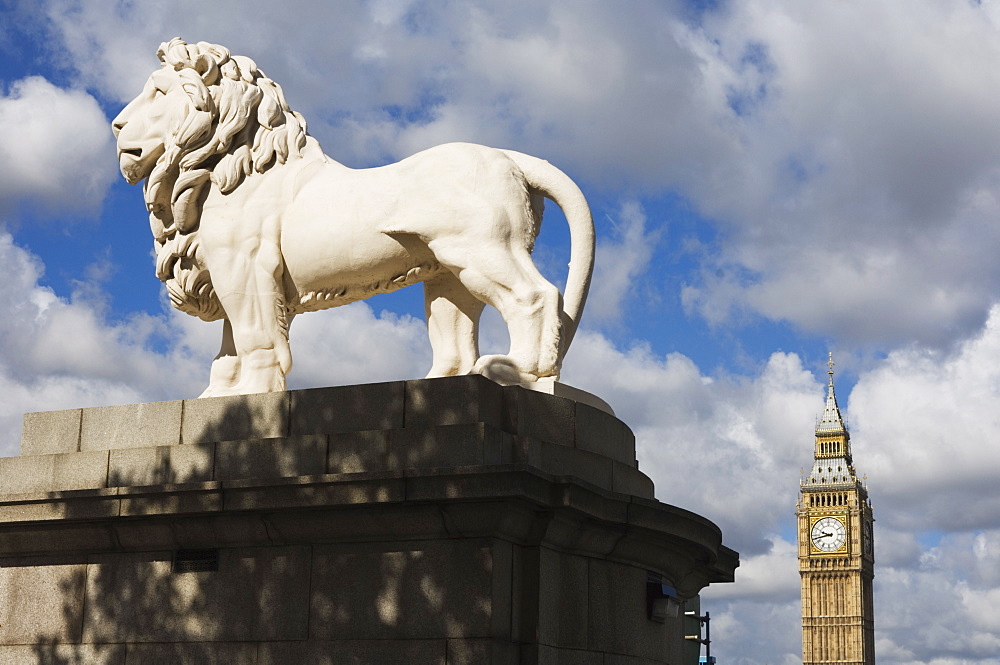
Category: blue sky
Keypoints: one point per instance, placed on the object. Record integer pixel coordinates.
(770, 181)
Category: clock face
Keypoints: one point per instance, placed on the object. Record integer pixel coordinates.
(829, 534)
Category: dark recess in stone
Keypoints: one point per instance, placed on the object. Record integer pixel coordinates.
(196, 561)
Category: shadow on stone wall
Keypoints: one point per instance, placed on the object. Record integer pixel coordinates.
(304, 570)
(446, 521)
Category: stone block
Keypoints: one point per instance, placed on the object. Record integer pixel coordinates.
(384, 522)
(131, 426)
(629, 444)
(358, 452)
(42, 540)
(372, 406)
(257, 593)
(627, 479)
(445, 446)
(296, 493)
(455, 400)
(657, 516)
(537, 415)
(563, 601)
(63, 654)
(53, 473)
(526, 450)
(562, 461)
(619, 659)
(271, 458)
(483, 651)
(260, 416)
(193, 653)
(524, 594)
(42, 600)
(502, 599)
(212, 530)
(354, 652)
(559, 389)
(42, 508)
(50, 432)
(161, 465)
(601, 433)
(174, 500)
(427, 590)
(617, 609)
(549, 655)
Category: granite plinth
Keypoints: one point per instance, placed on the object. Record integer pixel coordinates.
(434, 521)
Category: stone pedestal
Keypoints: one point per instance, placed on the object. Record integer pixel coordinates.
(444, 521)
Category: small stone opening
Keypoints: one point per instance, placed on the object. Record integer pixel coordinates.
(196, 561)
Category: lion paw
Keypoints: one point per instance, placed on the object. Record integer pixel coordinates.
(502, 370)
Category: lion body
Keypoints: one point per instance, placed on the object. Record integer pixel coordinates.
(254, 224)
(347, 234)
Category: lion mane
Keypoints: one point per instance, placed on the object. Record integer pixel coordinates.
(238, 123)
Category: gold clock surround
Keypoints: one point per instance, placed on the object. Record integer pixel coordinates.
(844, 523)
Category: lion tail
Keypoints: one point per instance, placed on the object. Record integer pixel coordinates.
(557, 186)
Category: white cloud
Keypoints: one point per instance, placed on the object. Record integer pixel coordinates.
(749, 632)
(869, 180)
(948, 598)
(771, 576)
(56, 150)
(335, 347)
(927, 422)
(621, 260)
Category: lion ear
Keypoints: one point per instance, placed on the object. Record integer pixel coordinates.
(173, 52)
(208, 69)
(210, 58)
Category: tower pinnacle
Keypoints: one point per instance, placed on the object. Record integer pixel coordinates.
(833, 464)
(831, 420)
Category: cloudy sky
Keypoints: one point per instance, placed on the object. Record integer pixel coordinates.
(771, 180)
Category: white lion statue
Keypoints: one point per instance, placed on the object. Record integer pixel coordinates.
(253, 224)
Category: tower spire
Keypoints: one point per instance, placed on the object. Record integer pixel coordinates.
(832, 459)
(831, 420)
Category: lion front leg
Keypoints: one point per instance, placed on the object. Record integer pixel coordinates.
(248, 285)
(225, 372)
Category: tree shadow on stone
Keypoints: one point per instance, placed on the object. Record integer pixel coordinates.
(317, 556)
(445, 521)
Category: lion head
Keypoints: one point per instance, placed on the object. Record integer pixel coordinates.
(205, 118)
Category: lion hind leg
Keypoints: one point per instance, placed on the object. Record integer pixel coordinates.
(452, 325)
(507, 279)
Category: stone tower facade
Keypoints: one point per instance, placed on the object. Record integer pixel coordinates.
(836, 550)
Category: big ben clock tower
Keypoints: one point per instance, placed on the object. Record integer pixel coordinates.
(836, 553)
